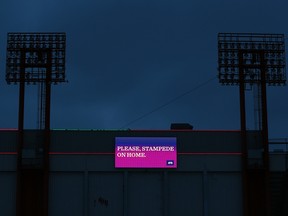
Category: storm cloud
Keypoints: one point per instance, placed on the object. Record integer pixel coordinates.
(127, 58)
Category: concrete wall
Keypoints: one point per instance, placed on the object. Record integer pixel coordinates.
(84, 181)
(201, 185)
(7, 193)
(145, 193)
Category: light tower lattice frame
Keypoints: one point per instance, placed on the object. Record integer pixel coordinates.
(253, 59)
(35, 58)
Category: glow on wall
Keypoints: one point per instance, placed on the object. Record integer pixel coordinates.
(145, 152)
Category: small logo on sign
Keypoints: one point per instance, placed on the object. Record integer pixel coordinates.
(170, 162)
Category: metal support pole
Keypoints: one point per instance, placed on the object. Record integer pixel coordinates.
(165, 194)
(21, 93)
(20, 134)
(125, 194)
(48, 90)
(265, 132)
(205, 192)
(243, 133)
(46, 164)
(86, 191)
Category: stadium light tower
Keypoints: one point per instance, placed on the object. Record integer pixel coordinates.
(254, 60)
(34, 58)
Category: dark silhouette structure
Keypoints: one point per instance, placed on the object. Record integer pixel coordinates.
(254, 60)
(34, 58)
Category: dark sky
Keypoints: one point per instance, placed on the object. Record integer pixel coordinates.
(126, 58)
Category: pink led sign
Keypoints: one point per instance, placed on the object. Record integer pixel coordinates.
(145, 152)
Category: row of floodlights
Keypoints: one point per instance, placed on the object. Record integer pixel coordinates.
(231, 62)
(270, 72)
(242, 37)
(252, 46)
(32, 37)
(235, 54)
(275, 79)
(17, 46)
(236, 83)
(16, 62)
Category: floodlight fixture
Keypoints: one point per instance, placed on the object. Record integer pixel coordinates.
(31, 55)
(251, 53)
(36, 58)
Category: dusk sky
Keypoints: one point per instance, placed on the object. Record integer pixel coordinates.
(126, 59)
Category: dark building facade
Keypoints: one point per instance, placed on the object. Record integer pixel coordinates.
(83, 179)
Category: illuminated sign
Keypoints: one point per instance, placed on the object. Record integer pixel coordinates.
(145, 152)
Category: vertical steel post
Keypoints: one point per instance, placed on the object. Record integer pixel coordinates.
(20, 133)
(243, 133)
(205, 185)
(165, 194)
(265, 132)
(125, 193)
(21, 92)
(46, 164)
